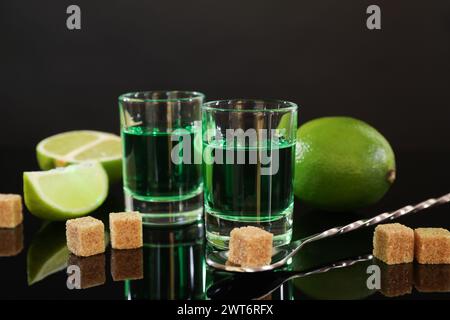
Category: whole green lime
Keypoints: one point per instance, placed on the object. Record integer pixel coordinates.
(342, 164)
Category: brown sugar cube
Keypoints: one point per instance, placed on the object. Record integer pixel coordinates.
(126, 230)
(10, 210)
(393, 243)
(250, 247)
(432, 245)
(432, 277)
(11, 241)
(92, 270)
(85, 236)
(127, 264)
(397, 279)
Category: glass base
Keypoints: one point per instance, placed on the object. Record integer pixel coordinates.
(165, 213)
(172, 198)
(218, 229)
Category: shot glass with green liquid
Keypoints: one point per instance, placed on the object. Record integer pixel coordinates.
(161, 137)
(248, 167)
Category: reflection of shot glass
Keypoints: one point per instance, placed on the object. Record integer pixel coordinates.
(161, 136)
(248, 156)
(174, 266)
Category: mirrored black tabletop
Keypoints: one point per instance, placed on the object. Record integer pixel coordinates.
(171, 265)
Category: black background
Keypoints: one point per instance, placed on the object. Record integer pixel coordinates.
(316, 53)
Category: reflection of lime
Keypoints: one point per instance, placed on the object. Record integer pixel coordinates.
(80, 146)
(329, 250)
(47, 253)
(348, 283)
(285, 124)
(345, 283)
(342, 164)
(65, 193)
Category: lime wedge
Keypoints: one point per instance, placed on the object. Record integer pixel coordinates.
(65, 193)
(80, 146)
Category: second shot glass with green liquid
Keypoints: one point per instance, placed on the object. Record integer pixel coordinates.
(248, 167)
(161, 138)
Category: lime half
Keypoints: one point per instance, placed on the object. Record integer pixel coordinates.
(65, 193)
(80, 146)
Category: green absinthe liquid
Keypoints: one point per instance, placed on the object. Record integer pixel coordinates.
(150, 173)
(239, 192)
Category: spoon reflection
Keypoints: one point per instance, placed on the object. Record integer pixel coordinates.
(258, 285)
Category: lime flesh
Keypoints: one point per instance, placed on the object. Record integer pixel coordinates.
(65, 193)
(80, 146)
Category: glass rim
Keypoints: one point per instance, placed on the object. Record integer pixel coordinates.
(191, 96)
(284, 105)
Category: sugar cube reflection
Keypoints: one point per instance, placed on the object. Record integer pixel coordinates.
(432, 277)
(397, 279)
(11, 241)
(92, 269)
(127, 264)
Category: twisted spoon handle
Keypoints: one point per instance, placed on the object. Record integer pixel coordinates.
(375, 220)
